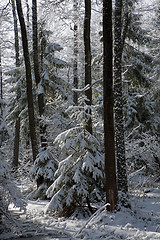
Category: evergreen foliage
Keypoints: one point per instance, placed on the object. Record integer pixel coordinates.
(18, 100)
(51, 86)
(9, 194)
(138, 83)
(69, 170)
(44, 167)
(144, 153)
(80, 174)
(5, 131)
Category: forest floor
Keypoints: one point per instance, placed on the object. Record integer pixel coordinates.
(141, 222)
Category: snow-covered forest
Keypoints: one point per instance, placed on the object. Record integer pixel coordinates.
(80, 119)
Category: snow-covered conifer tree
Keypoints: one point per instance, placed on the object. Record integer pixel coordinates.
(80, 173)
(141, 91)
(52, 86)
(138, 80)
(43, 171)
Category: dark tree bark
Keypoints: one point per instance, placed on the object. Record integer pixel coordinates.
(109, 144)
(28, 80)
(37, 72)
(75, 60)
(87, 49)
(1, 92)
(1, 82)
(17, 124)
(119, 125)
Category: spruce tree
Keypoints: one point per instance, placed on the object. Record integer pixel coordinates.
(80, 173)
(53, 87)
(137, 67)
(140, 91)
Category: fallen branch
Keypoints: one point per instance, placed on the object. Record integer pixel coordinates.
(92, 218)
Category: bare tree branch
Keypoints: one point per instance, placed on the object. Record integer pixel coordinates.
(4, 8)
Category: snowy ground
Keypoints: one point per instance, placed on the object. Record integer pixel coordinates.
(141, 223)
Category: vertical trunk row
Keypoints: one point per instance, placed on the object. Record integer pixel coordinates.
(87, 49)
(37, 72)
(28, 80)
(109, 144)
(119, 125)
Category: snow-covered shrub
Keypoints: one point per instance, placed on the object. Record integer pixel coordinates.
(17, 106)
(141, 110)
(80, 174)
(5, 132)
(144, 152)
(43, 171)
(9, 194)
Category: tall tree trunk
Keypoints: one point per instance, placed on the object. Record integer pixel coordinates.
(1, 82)
(37, 73)
(17, 124)
(109, 144)
(87, 49)
(28, 81)
(1, 93)
(119, 125)
(75, 60)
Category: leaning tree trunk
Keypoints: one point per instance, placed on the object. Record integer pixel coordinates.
(119, 125)
(41, 105)
(28, 81)
(87, 49)
(17, 124)
(109, 144)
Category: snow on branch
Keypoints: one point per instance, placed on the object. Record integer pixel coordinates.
(96, 214)
(82, 89)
